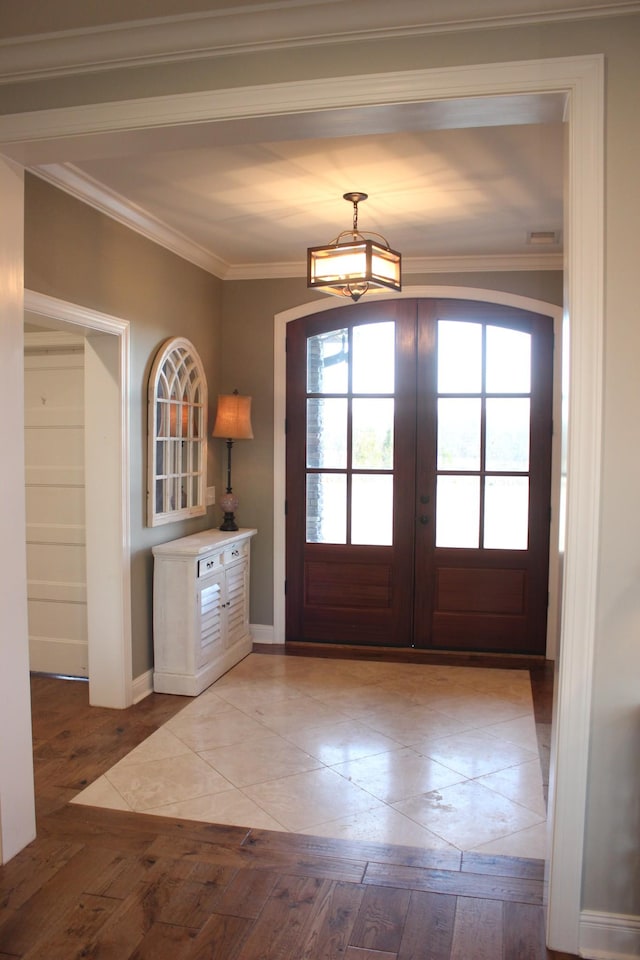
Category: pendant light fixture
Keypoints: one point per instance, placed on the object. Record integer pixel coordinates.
(351, 264)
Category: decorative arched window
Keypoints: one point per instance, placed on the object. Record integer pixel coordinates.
(177, 434)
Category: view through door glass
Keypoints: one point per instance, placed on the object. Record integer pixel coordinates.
(418, 476)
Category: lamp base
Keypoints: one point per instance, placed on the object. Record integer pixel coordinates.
(229, 522)
(229, 503)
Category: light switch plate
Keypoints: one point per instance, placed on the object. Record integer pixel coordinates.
(211, 495)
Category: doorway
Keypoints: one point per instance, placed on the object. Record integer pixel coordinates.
(55, 500)
(106, 481)
(418, 476)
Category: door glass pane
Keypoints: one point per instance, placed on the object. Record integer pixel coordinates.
(372, 509)
(506, 513)
(326, 508)
(327, 433)
(508, 361)
(507, 434)
(459, 434)
(459, 357)
(458, 512)
(328, 362)
(374, 358)
(372, 433)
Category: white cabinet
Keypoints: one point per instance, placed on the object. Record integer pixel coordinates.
(200, 609)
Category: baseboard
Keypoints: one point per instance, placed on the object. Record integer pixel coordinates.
(609, 936)
(262, 633)
(142, 686)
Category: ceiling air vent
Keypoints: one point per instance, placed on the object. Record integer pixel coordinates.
(543, 238)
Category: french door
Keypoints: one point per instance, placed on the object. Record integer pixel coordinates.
(418, 476)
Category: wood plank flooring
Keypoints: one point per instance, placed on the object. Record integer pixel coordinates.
(110, 885)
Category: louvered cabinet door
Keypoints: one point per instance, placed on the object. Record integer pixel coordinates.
(237, 602)
(210, 611)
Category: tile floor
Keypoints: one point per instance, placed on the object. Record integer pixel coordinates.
(439, 757)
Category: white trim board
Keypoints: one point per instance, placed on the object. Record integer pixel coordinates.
(107, 490)
(262, 633)
(25, 138)
(609, 936)
(17, 807)
(34, 137)
(271, 26)
(142, 686)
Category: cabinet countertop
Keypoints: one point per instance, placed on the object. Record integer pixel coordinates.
(199, 543)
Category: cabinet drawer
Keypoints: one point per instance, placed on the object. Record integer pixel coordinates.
(208, 564)
(235, 552)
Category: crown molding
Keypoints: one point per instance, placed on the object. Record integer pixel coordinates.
(484, 263)
(271, 26)
(414, 266)
(67, 177)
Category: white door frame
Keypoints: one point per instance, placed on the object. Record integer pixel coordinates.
(26, 135)
(107, 482)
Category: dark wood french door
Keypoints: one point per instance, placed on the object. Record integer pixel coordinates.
(418, 476)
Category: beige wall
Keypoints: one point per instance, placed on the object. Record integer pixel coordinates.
(75, 253)
(611, 852)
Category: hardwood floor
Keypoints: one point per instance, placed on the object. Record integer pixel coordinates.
(109, 885)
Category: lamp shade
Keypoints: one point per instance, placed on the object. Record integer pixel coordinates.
(233, 417)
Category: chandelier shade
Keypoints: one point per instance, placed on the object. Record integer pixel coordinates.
(352, 264)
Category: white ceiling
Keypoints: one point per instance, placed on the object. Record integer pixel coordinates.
(468, 178)
(435, 193)
(468, 181)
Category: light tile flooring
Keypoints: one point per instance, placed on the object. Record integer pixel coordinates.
(439, 757)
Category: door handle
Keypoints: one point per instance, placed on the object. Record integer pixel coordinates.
(425, 498)
(423, 518)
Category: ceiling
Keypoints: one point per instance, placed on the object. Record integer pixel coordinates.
(456, 184)
(252, 198)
